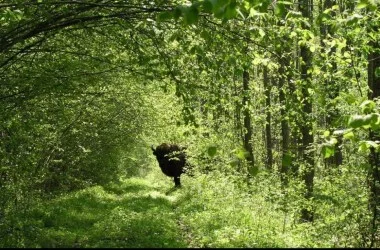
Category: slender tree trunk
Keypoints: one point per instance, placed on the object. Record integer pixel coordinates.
(238, 107)
(374, 156)
(237, 117)
(268, 130)
(284, 171)
(247, 124)
(285, 51)
(331, 88)
(306, 124)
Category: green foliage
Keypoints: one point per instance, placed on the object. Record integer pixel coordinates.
(328, 150)
(370, 4)
(222, 9)
(87, 88)
(211, 151)
(287, 160)
(341, 207)
(369, 120)
(365, 121)
(368, 106)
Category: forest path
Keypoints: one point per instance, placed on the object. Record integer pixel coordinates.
(131, 213)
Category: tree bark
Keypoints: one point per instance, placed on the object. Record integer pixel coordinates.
(285, 132)
(238, 106)
(306, 124)
(332, 90)
(374, 156)
(247, 124)
(268, 130)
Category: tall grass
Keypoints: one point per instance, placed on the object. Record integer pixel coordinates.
(210, 210)
(216, 210)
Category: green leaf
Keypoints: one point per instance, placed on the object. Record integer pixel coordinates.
(164, 16)
(368, 106)
(253, 170)
(323, 17)
(294, 14)
(254, 3)
(234, 162)
(377, 72)
(328, 150)
(365, 121)
(350, 135)
(241, 153)
(177, 12)
(285, 2)
(333, 141)
(363, 147)
(221, 3)
(211, 150)
(372, 144)
(191, 15)
(354, 19)
(370, 119)
(349, 98)
(287, 160)
(230, 11)
(264, 4)
(374, 119)
(219, 13)
(362, 4)
(279, 10)
(208, 6)
(356, 121)
(340, 132)
(219, 7)
(261, 32)
(206, 35)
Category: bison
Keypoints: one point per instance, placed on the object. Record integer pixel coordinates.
(172, 160)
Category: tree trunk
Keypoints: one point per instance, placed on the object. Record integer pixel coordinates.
(268, 130)
(374, 157)
(284, 171)
(284, 49)
(238, 106)
(247, 124)
(306, 124)
(332, 90)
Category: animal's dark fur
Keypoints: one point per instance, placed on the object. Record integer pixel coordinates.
(172, 160)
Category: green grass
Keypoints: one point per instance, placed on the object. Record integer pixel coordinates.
(131, 213)
(213, 210)
(218, 212)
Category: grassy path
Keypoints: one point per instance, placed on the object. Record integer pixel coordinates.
(213, 210)
(132, 213)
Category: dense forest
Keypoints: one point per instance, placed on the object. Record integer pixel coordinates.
(275, 102)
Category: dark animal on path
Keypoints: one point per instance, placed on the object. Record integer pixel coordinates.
(172, 160)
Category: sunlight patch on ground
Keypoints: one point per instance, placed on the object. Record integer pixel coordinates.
(156, 194)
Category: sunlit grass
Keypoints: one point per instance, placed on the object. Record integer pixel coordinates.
(129, 213)
(217, 212)
(213, 210)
